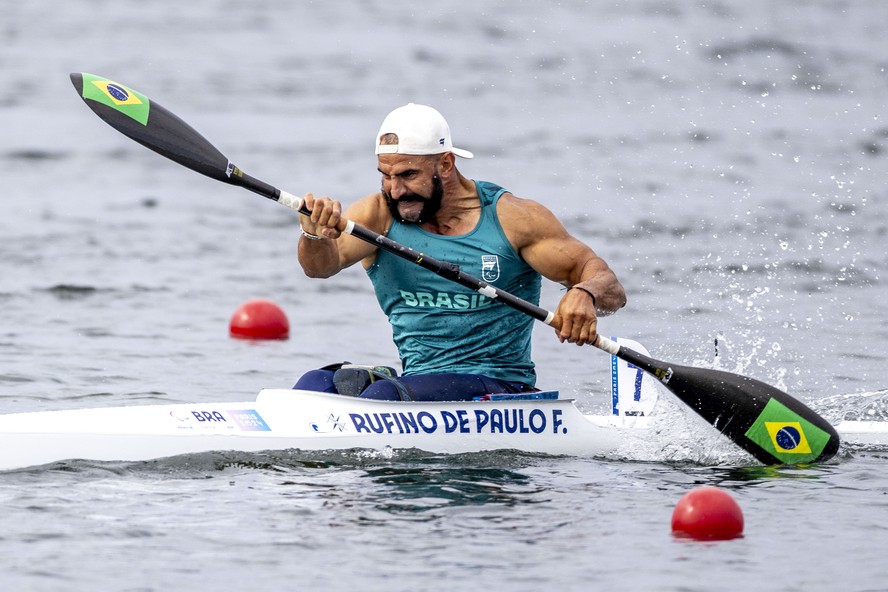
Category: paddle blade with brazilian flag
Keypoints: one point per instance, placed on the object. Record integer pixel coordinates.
(771, 425)
(134, 115)
(788, 436)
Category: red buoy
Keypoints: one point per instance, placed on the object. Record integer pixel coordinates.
(259, 319)
(707, 513)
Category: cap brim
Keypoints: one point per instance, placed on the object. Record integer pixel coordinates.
(397, 149)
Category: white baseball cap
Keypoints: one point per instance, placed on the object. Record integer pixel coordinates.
(420, 130)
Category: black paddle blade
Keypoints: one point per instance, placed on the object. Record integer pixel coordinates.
(134, 115)
(771, 425)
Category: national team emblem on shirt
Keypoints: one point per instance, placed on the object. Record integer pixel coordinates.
(490, 269)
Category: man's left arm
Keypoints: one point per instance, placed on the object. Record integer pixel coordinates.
(544, 243)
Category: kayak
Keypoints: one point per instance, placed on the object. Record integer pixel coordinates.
(283, 419)
(288, 419)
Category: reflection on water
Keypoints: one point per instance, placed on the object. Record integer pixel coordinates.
(413, 490)
(753, 475)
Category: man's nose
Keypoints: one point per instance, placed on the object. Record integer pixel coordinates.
(397, 188)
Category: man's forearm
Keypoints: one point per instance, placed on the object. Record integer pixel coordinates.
(319, 258)
(607, 290)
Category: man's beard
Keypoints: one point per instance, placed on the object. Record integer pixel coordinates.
(431, 204)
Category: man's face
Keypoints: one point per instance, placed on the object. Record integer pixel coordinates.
(411, 187)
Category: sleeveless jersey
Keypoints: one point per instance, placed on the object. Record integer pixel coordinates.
(440, 326)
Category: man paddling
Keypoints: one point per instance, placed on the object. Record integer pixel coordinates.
(454, 344)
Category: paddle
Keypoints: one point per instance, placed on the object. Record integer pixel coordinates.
(771, 425)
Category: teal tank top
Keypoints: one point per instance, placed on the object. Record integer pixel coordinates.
(439, 326)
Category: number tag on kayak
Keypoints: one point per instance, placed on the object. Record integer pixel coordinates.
(634, 392)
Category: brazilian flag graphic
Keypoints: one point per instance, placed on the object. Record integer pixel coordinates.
(116, 96)
(786, 435)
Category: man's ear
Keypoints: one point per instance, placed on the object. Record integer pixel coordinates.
(446, 164)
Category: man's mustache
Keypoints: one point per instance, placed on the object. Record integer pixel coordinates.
(409, 198)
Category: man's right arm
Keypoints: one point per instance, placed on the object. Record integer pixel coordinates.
(332, 250)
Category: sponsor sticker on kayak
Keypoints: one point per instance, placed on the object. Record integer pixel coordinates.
(246, 420)
(249, 420)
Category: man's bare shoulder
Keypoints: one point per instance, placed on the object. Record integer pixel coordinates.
(511, 204)
(371, 212)
(525, 220)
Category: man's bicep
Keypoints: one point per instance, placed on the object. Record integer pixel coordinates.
(560, 258)
(546, 245)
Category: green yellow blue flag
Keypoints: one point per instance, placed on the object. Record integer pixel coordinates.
(117, 96)
(787, 435)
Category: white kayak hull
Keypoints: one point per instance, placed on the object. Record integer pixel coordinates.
(282, 419)
(863, 434)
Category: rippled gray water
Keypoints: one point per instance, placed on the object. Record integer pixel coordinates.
(727, 159)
